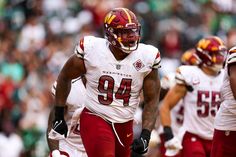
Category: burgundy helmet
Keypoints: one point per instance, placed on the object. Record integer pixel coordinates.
(189, 57)
(122, 29)
(211, 50)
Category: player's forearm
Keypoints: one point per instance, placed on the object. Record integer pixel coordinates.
(151, 93)
(166, 122)
(174, 95)
(149, 115)
(62, 91)
(165, 115)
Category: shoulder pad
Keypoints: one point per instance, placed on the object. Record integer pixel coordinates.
(155, 54)
(181, 75)
(232, 55)
(83, 45)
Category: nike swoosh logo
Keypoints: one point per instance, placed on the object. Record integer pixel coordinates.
(57, 124)
(128, 135)
(145, 146)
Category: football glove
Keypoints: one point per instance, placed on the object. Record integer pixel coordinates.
(140, 145)
(59, 124)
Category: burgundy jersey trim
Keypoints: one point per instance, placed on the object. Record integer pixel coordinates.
(81, 44)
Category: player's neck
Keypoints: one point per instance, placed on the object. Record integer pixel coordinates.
(209, 71)
(118, 54)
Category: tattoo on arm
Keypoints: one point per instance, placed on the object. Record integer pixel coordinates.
(151, 90)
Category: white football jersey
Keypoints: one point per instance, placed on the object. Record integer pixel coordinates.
(226, 116)
(177, 112)
(113, 87)
(75, 104)
(202, 100)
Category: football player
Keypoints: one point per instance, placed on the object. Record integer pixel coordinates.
(116, 68)
(224, 140)
(199, 88)
(71, 146)
(189, 57)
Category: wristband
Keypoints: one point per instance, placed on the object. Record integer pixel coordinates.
(146, 134)
(168, 134)
(59, 112)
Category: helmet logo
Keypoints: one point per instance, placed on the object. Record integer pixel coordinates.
(204, 43)
(109, 18)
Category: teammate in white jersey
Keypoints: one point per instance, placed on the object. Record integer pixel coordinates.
(167, 82)
(116, 69)
(199, 87)
(71, 146)
(189, 57)
(224, 140)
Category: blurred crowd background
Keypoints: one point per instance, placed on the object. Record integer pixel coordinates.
(37, 37)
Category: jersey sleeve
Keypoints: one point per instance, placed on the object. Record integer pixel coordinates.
(181, 76)
(84, 46)
(232, 56)
(153, 55)
(79, 49)
(157, 61)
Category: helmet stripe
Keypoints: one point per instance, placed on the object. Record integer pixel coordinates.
(219, 40)
(111, 18)
(128, 15)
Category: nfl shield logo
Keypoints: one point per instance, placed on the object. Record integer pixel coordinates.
(118, 66)
(138, 65)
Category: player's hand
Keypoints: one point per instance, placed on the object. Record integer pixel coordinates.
(171, 152)
(60, 127)
(59, 124)
(57, 153)
(140, 145)
(173, 146)
(173, 143)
